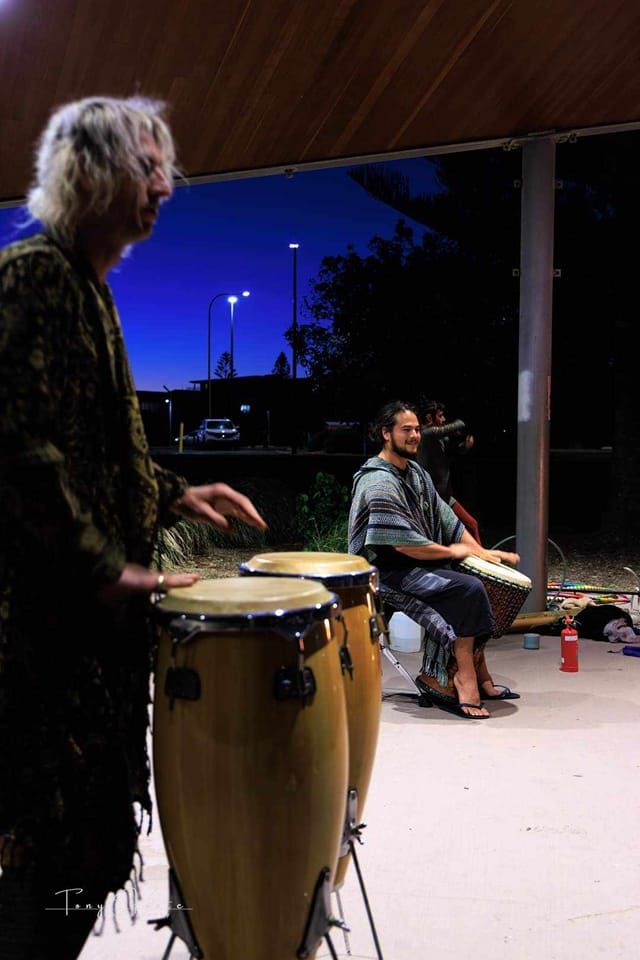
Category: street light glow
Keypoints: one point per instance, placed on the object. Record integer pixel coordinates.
(293, 246)
(231, 300)
(246, 293)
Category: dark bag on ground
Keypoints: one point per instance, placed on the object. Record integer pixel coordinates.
(591, 621)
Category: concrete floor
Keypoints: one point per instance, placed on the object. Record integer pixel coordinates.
(506, 838)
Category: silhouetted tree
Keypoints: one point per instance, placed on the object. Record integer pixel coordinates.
(436, 311)
(411, 317)
(224, 370)
(596, 335)
(281, 367)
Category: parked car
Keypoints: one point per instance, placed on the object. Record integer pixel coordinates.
(211, 432)
(190, 439)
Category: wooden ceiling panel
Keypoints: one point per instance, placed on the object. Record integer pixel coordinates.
(267, 83)
(371, 63)
(529, 75)
(430, 51)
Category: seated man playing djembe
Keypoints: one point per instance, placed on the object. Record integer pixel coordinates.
(400, 524)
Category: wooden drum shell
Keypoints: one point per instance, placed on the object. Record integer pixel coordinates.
(363, 688)
(250, 788)
(363, 691)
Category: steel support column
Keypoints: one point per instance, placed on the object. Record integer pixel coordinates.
(534, 383)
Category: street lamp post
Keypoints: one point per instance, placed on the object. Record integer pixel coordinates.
(294, 338)
(169, 400)
(211, 303)
(294, 320)
(245, 293)
(232, 302)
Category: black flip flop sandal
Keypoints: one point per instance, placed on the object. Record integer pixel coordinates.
(447, 704)
(506, 694)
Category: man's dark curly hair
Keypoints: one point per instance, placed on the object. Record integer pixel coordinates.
(429, 408)
(386, 418)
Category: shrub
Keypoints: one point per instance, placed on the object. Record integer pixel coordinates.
(322, 515)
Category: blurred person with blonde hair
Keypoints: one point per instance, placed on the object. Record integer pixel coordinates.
(81, 502)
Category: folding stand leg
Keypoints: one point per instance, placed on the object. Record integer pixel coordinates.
(345, 933)
(178, 922)
(391, 657)
(332, 949)
(170, 945)
(363, 889)
(165, 955)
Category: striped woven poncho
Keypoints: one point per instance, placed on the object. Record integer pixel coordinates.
(394, 508)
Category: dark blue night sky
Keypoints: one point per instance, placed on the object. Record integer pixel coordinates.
(233, 236)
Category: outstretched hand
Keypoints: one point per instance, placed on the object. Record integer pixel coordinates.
(213, 503)
(210, 503)
(136, 579)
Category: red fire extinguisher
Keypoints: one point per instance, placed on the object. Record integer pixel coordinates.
(569, 648)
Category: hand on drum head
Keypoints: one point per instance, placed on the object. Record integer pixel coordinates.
(136, 579)
(500, 556)
(214, 502)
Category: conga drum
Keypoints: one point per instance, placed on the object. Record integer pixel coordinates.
(250, 762)
(507, 589)
(354, 580)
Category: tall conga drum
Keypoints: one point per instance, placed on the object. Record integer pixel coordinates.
(250, 762)
(354, 580)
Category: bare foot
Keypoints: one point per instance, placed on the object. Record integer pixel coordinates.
(485, 681)
(468, 693)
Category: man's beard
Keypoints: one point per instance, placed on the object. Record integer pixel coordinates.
(402, 452)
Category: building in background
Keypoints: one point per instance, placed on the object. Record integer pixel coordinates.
(267, 409)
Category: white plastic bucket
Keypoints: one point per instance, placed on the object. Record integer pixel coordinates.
(405, 635)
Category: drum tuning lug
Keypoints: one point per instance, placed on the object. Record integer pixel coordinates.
(181, 683)
(343, 623)
(182, 630)
(291, 683)
(346, 662)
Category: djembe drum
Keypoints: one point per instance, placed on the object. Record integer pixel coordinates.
(507, 590)
(354, 580)
(250, 762)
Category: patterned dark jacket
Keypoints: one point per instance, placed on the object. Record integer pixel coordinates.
(79, 496)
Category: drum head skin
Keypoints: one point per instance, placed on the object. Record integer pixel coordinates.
(243, 595)
(320, 566)
(498, 570)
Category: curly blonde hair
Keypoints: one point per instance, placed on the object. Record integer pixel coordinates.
(88, 146)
